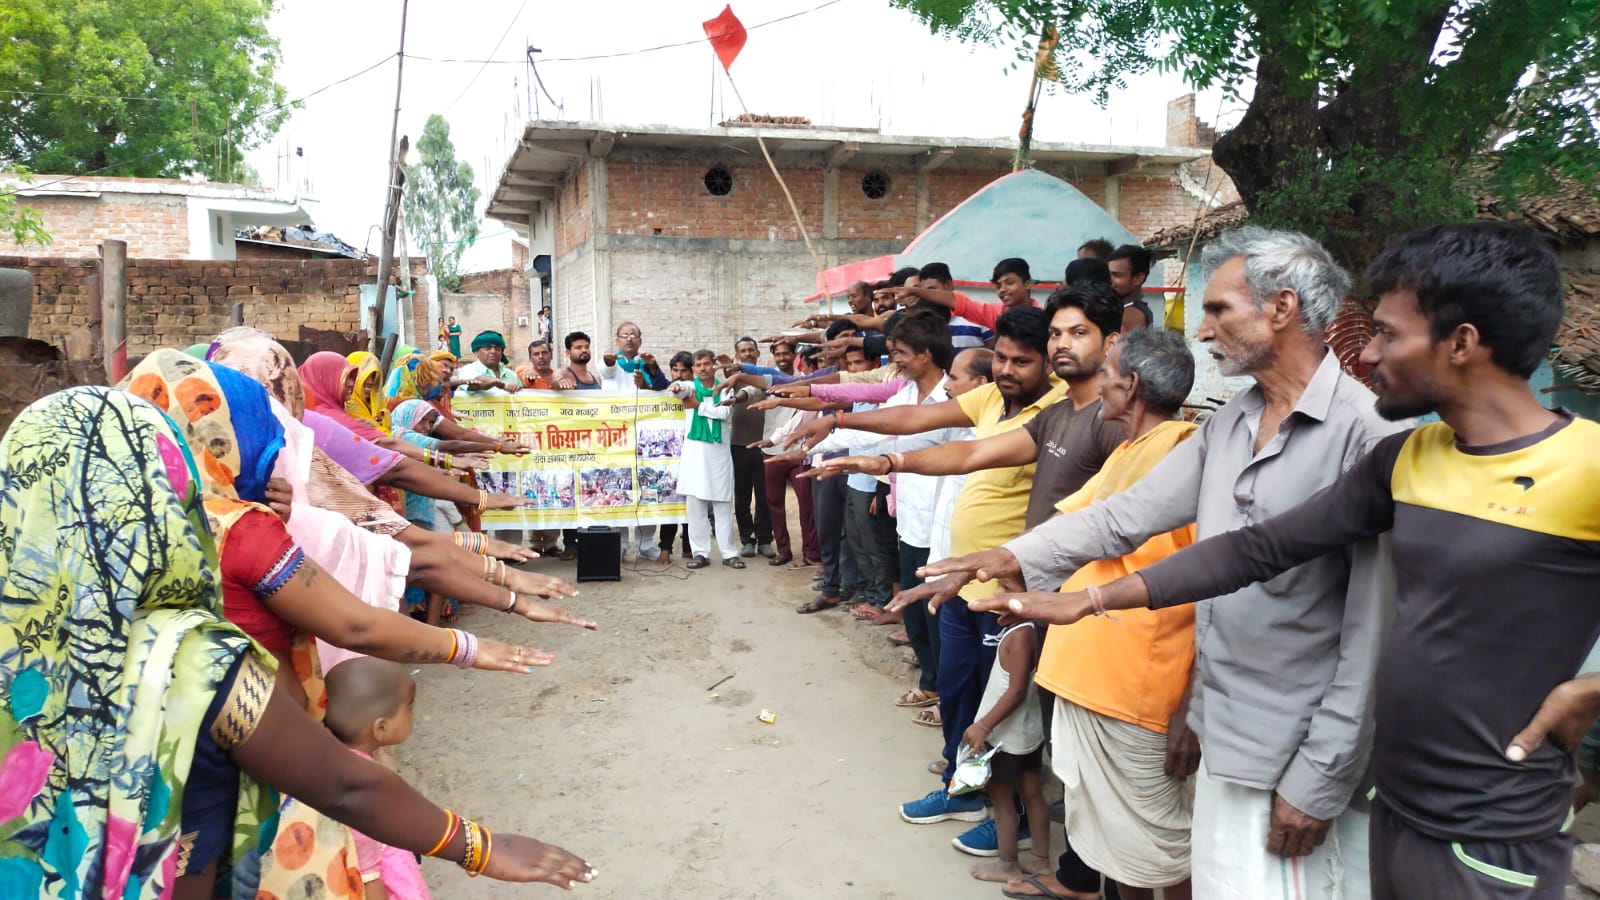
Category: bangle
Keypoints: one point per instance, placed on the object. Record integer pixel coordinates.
(888, 459)
(474, 851)
(466, 651)
(488, 848)
(449, 461)
(487, 564)
(483, 500)
(513, 604)
(455, 647)
(836, 415)
(451, 822)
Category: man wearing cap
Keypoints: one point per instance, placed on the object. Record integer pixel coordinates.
(488, 374)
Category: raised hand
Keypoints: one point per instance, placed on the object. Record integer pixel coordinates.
(1040, 606)
(790, 390)
(499, 656)
(811, 433)
(518, 858)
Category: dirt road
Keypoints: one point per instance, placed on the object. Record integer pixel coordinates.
(621, 752)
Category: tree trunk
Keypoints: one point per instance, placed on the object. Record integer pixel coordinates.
(1279, 123)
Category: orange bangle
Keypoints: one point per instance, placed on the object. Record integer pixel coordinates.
(488, 847)
(451, 820)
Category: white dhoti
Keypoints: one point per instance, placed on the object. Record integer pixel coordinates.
(1125, 817)
(1231, 861)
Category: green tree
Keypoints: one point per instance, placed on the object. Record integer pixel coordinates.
(1363, 117)
(441, 203)
(23, 224)
(157, 88)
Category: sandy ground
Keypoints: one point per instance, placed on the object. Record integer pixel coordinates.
(622, 752)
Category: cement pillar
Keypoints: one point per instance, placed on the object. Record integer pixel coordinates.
(16, 302)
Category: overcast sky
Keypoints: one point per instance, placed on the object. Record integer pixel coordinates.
(858, 63)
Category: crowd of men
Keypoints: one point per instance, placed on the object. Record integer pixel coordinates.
(1383, 697)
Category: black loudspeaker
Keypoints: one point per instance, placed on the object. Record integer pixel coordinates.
(599, 554)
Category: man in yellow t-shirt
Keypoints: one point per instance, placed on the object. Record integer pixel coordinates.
(992, 508)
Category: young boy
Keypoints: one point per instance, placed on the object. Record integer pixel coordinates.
(1009, 718)
(369, 706)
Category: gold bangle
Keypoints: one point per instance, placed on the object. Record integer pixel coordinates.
(449, 819)
(474, 839)
(483, 500)
(488, 848)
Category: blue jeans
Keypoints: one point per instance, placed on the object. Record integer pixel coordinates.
(922, 629)
(966, 655)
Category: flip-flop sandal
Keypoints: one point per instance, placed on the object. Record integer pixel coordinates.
(699, 562)
(916, 698)
(734, 563)
(816, 605)
(929, 717)
(900, 638)
(1044, 892)
(781, 559)
(938, 766)
(910, 659)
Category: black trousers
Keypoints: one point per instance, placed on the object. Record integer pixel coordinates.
(750, 491)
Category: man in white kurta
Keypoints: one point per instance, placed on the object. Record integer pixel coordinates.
(705, 472)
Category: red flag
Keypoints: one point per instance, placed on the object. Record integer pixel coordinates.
(727, 36)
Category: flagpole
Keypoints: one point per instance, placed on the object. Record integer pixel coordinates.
(822, 278)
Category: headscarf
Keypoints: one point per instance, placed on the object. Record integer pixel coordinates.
(257, 355)
(323, 374)
(414, 378)
(113, 647)
(198, 351)
(419, 508)
(366, 401)
(488, 339)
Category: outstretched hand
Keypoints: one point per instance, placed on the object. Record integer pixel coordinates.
(543, 612)
(499, 656)
(538, 585)
(1039, 606)
(845, 465)
(934, 592)
(507, 551)
(523, 859)
(997, 564)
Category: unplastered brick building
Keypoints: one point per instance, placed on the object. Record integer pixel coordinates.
(686, 231)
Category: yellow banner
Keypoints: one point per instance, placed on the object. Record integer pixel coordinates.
(598, 458)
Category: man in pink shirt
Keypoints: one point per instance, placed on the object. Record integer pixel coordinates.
(1013, 284)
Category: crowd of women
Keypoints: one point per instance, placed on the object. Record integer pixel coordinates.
(182, 559)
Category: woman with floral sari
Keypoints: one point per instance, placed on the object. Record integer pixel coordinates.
(140, 732)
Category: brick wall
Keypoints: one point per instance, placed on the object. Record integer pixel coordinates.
(574, 222)
(892, 216)
(498, 298)
(155, 226)
(572, 287)
(175, 302)
(668, 197)
(1150, 203)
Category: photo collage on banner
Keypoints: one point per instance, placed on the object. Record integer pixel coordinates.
(597, 457)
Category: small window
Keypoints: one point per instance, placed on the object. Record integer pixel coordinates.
(719, 181)
(875, 185)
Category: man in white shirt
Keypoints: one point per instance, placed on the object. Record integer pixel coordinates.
(488, 374)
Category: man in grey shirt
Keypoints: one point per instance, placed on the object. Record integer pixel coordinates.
(1284, 670)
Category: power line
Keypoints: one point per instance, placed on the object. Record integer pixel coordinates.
(492, 52)
(90, 96)
(559, 59)
(258, 114)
